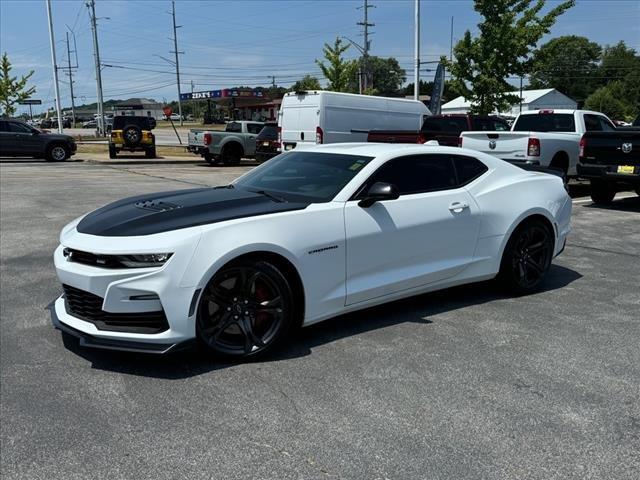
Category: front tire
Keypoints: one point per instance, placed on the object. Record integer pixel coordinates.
(245, 311)
(57, 153)
(112, 151)
(602, 193)
(527, 257)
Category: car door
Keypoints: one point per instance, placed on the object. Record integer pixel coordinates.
(427, 235)
(7, 139)
(253, 129)
(25, 140)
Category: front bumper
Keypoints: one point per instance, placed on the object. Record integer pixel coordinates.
(128, 293)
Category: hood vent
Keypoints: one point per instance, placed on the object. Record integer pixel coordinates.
(156, 205)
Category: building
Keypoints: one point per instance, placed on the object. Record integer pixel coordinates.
(531, 100)
(138, 107)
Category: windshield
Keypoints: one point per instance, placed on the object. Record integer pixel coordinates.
(304, 176)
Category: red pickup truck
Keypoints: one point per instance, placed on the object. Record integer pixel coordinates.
(444, 128)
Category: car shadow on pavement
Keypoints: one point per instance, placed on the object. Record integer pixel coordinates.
(418, 309)
(627, 204)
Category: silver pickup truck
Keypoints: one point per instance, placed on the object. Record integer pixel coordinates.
(236, 142)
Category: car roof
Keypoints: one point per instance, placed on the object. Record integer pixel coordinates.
(383, 149)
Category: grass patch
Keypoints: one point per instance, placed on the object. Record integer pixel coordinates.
(162, 151)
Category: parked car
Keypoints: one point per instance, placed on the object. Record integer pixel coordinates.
(611, 161)
(236, 142)
(19, 139)
(445, 129)
(132, 134)
(315, 117)
(267, 144)
(53, 122)
(545, 138)
(232, 267)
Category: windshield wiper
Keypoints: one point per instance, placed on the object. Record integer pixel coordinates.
(269, 195)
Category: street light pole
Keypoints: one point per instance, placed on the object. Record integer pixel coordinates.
(55, 66)
(175, 46)
(416, 68)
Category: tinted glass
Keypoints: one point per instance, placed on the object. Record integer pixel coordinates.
(268, 133)
(16, 127)
(445, 124)
(3, 126)
(122, 121)
(545, 122)
(254, 127)
(234, 127)
(592, 123)
(308, 176)
(416, 174)
(468, 169)
(489, 124)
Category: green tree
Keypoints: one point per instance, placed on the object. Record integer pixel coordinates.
(385, 75)
(308, 82)
(12, 90)
(508, 34)
(607, 100)
(569, 64)
(337, 70)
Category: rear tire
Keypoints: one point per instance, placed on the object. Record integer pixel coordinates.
(112, 151)
(231, 155)
(57, 153)
(602, 192)
(527, 257)
(245, 311)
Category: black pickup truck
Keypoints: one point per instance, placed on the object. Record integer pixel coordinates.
(611, 161)
(444, 128)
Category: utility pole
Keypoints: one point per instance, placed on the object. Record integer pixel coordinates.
(367, 44)
(273, 81)
(55, 66)
(416, 68)
(91, 5)
(70, 73)
(175, 46)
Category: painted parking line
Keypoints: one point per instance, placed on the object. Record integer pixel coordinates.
(588, 200)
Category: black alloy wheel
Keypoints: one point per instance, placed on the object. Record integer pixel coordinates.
(245, 310)
(527, 257)
(132, 135)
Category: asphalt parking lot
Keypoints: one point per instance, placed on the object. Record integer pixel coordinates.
(461, 384)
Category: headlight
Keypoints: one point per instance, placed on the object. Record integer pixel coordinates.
(145, 260)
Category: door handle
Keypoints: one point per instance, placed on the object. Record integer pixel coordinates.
(457, 207)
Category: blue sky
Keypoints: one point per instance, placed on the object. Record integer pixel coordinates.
(234, 42)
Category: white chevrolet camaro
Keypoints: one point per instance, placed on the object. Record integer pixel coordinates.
(306, 236)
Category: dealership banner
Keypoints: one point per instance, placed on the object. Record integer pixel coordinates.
(225, 93)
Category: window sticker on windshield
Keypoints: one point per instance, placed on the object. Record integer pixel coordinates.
(357, 166)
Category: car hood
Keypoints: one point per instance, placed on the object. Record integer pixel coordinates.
(58, 136)
(166, 211)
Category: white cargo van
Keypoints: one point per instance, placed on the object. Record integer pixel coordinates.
(313, 117)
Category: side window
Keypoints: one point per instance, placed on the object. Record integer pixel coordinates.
(592, 123)
(605, 125)
(468, 169)
(254, 127)
(417, 174)
(3, 126)
(234, 127)
(16, 127)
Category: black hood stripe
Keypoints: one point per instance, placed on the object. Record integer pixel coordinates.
(137, 215)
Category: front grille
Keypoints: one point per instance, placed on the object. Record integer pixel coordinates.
(88, 307)
(93, 259)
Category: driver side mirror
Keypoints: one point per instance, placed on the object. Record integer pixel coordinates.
(379, 191)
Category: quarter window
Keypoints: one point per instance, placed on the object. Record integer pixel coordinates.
(468, 169)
